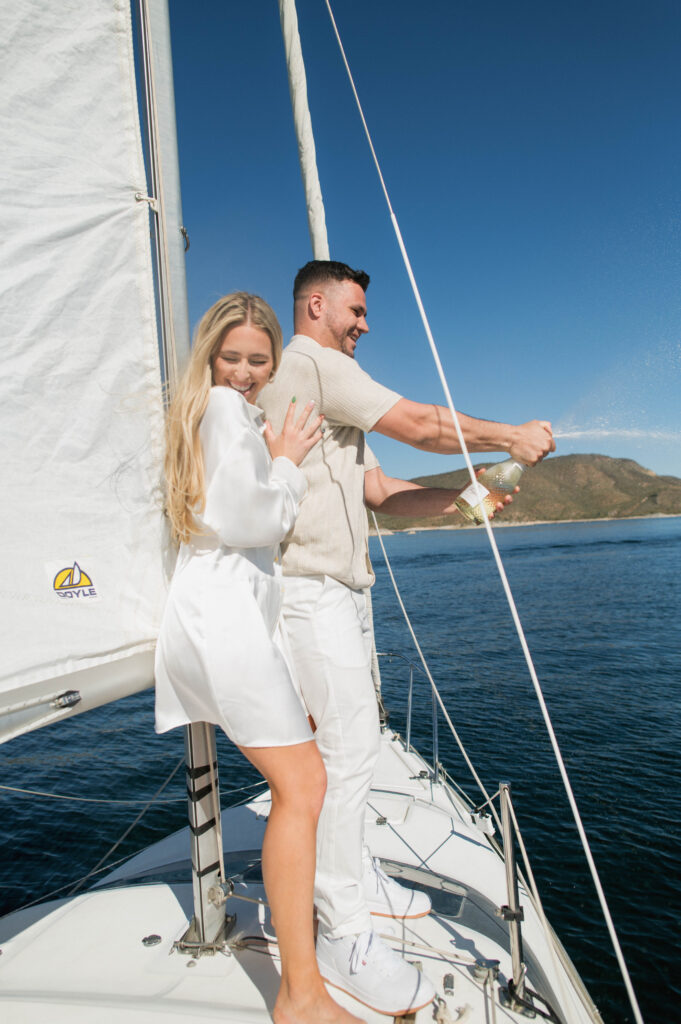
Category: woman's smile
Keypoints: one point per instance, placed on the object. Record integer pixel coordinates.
(244, 361)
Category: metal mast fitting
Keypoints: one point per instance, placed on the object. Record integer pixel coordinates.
(513, 912)
(210, 925)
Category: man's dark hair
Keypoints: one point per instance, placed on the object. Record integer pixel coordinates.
(322, 271)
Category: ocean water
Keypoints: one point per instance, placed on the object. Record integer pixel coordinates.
(600, 604)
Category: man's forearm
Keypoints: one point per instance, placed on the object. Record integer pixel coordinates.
(479, 435)
(395, 497)
(431, 428)
(414, 500)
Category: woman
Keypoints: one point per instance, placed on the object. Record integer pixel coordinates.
(218, 656)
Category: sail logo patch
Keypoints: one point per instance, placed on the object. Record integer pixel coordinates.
(72, 582)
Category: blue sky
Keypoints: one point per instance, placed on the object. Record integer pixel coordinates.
(533, 155)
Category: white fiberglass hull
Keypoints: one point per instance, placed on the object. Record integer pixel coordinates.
(84, 958)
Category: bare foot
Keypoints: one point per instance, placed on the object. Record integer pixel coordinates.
(316, 1009)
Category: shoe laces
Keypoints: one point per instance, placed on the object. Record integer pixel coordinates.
(368, 943)
(360, 951)
(380, 876)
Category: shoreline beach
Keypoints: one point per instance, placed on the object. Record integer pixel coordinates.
(530, 522)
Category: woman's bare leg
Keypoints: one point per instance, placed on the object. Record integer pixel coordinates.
(297, 782)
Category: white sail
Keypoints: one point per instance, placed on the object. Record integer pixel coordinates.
(82, 566)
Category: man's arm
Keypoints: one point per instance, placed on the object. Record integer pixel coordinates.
(395, 497)
(431, 428)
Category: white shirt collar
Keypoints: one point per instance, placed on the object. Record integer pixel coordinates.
(255, 412)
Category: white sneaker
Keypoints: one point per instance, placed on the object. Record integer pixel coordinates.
(368, 969)
(385, 896)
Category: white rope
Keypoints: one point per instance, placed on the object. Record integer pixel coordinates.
(458, 958)
(488, 989)
(495, 551)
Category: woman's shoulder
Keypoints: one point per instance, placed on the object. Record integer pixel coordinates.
(225, 415)
(224, 403)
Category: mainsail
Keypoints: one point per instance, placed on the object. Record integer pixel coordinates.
(81, 405)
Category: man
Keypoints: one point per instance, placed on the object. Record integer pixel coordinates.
(326, 565)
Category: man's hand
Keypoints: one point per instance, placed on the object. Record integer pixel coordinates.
(395, 497)
(501, 504)
(530, 442)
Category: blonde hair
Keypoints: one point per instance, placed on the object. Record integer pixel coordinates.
(184, 468)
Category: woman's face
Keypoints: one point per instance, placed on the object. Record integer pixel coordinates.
(244, 361)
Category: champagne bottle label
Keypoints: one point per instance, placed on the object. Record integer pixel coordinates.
(474, 494)
(501, 478)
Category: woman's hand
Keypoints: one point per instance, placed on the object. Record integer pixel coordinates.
(297, 436)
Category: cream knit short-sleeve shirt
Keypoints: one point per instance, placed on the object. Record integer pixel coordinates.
(330, 536)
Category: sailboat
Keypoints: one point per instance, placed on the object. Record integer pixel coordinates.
(86, 293)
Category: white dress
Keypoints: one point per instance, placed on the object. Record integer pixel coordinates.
(219, 655)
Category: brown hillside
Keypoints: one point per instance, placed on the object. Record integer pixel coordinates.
(570, 487)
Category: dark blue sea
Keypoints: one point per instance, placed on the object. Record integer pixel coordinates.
(601, 607)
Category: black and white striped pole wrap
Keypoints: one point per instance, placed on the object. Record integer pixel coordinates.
(207, 928)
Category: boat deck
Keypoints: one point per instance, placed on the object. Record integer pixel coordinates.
(84, 958)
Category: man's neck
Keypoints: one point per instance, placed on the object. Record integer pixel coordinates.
(322, 340)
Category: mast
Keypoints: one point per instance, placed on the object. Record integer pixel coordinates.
(164, 173)
(207, 927)
(316, 218)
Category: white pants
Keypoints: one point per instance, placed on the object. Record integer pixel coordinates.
(330, 638)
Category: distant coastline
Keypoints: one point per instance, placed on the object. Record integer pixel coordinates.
(529, 522)
(564, 489)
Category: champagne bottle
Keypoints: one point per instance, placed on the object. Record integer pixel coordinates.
(490, 487)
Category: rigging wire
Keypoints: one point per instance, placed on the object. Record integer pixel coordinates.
(43, 898)
(129, 829)
(536, 899)
(426, 669)
(98, 868)
(532, 888)
(121, 860)
(126, 803)
(529, 882)
(495, 551)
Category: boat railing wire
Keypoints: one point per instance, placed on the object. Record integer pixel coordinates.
(104, 864)
(437, 772)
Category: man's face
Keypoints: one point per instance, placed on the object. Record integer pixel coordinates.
(345, 315)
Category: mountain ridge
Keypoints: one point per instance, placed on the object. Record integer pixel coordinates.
(565, 488)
